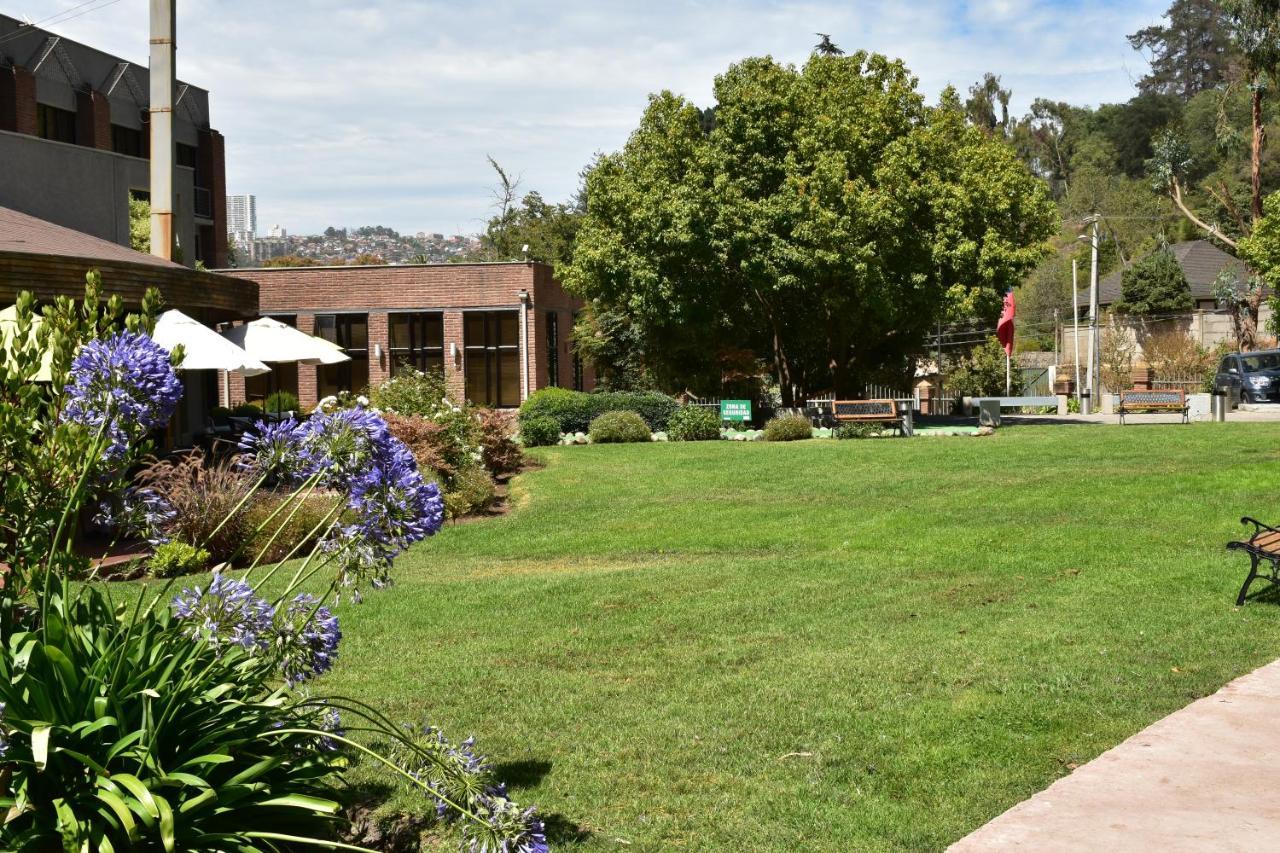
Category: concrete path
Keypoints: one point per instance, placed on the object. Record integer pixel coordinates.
(1206, 778)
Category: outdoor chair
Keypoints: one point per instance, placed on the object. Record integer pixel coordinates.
(1263, 548)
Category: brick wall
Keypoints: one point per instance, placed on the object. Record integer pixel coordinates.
(307, 387)
(93, 120)
(17, 100)
(211, 152)
(450, 288)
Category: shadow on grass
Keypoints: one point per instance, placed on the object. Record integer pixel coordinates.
(523, 774)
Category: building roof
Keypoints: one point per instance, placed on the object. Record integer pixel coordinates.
(50, 260)
(20, 232)
(1201, 261)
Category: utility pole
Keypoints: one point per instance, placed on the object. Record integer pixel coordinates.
(1092, 400)
(163, 14)
(1075, 322)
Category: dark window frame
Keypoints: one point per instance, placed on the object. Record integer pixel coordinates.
(128, 141)
(553, 349)
(491, 349)
(424, 349)
(55, 124)
(341, 377)
(579, 379)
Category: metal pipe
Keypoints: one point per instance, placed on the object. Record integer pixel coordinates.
(163, 44)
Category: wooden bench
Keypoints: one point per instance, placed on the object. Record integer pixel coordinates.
(1262, 547)
(871, 412)
(1153, 402)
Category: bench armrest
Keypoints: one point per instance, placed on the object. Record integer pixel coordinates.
(1258, 526)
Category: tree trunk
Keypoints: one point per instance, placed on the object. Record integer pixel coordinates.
(786, 384)
(1259, 139)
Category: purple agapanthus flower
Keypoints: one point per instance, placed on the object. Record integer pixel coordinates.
(140, 512)
(506, 827)
(228, 613)
(276, 448)
(390, 505)
(123, 385)
(309, 637)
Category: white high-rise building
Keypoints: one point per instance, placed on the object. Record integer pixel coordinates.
(242, 217)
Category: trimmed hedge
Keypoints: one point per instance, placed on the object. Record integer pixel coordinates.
(575, 410)
(788, 428)
(619, 428)
(694, 423)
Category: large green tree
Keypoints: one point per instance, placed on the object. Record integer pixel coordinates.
(826, 220)
(1190, 53)
(1155, 285)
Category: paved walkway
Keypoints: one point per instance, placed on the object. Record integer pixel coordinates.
(1206, 778)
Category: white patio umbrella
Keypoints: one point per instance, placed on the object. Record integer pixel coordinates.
(205, 349)
(273, 342)
(9, 327)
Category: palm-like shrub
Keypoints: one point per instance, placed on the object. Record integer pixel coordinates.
(694, 423)
(619, 428)
(788, 428)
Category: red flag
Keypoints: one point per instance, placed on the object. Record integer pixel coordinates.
(1004, 329)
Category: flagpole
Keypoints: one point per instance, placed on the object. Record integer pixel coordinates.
(1007, 387)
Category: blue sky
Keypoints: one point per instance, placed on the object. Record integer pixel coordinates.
(382, 112)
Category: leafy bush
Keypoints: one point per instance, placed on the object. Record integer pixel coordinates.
(204, 496)
(694, 423)
(470, 490)
(246, 410)
(414, 392)
(171, 559)
(619, 428)
(788, 428)
(281, 401)
(428, 441)
(855, 430)
(982, 373)
(1116, 350)
(574, 411)
(539, 431)
(499, 450)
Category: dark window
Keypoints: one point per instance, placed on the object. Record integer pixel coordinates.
(127, 140)
(351, 332)
(553, 349)
(491, 340)
(578, 381)
(185, 155)
(417, 339)
(53, 123)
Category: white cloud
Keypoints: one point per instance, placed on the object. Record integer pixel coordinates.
(383, 113)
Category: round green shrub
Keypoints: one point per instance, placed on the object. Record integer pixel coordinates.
(856, 430)
(539, 431)
(177, 558)
(619, 428)
(788, 428)
(693, 423)
(571, 410)
(654, 407)
(246, 410)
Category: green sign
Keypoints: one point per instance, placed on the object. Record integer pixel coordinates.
(735, 410)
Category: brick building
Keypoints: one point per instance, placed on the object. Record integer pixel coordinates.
(462, 318)
(75, 144)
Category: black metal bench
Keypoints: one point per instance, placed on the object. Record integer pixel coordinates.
(871, 411)
(1151, 402)
(1263, 547)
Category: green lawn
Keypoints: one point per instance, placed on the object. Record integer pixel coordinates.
(861, 645)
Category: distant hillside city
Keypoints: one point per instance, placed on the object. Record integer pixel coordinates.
(367, 244)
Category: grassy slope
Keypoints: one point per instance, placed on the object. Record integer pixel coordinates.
(825, 645)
